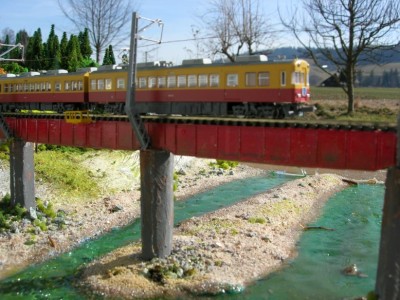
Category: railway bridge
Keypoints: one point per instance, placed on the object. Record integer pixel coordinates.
(290, 143)
(324, 145)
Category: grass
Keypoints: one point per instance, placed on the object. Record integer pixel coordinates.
(370, 112)
(62, 171)
(337, 93)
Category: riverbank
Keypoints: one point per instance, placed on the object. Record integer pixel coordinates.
(25, 244)
(219, 252)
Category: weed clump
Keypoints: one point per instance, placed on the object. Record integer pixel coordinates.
(224, 164)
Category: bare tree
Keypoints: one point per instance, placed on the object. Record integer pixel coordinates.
(345, 33)
(235, 26)
(108, 21)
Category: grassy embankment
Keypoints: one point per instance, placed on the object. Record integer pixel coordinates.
(79, 175)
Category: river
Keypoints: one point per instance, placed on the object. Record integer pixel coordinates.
(315, 273)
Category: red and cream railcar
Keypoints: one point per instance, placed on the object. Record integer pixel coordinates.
(249, 86)
(55, 90)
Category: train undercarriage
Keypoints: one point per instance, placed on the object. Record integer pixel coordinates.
(249, 110)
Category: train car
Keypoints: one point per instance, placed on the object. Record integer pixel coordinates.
(251, 86)
(54, 90)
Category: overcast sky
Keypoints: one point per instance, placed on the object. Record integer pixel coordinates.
(177, 15)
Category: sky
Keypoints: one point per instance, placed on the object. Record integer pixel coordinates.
(177, 15)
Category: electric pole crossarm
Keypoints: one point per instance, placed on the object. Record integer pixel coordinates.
(11, 48)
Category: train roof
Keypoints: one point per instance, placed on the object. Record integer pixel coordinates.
(240, 61)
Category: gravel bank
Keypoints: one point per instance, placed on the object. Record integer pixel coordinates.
(221, 251)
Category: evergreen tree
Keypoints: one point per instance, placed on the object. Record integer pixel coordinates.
(64, 51)
(111, 55)
(84, 43)
(35, 52)
(6, 41)
(109, 58)
(21, 37)
(396, 78)
(53, 53)
(106, 58)
(74, 53)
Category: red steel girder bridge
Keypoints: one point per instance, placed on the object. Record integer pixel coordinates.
(333, 147)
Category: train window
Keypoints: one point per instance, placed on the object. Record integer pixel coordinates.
(214, 80)
(298, 78)
(80, 85)
(26, 87)
(192, 80)
(67, 85)
(16, 88)
(57, 86)
(121, 83)
(74, 85)
(171, 81)
(100, 84)
(32, 87)
(142, 82)
(232, 80)
(161, 82)
(152, 82)
(251, 79)
(48, 86)
(37, 87)
(283, 78)
(108, 84)
(42, 86)
(5, 88)
(263, 79)
(93, 84)
(11, 88)
(182, 81)
(203, 80)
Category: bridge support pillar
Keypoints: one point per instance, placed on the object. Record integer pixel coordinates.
(22, 175)
(157, 206)
(388, 275)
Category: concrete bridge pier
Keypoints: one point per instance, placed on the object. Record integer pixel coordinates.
(157, 203)
(22, 174)
(388, 275)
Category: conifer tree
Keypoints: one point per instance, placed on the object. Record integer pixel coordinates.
(74, 53)
(109, 58)
(64, 51)
(84, 43)
(35, 52)
(106, 58)
(53, 53)
(111, 55)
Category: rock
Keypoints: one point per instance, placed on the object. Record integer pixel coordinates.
(181, 172)
(32, 213)
(251, 234)
(266, 239)
(14, 227)
(116, 208)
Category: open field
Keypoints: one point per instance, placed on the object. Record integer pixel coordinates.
(336, 93)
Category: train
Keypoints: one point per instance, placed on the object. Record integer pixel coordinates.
(252, 86)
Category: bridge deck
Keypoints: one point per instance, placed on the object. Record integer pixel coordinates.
(302, 147)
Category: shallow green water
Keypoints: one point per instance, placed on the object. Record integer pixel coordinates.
(53, 279)
(355, 214)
